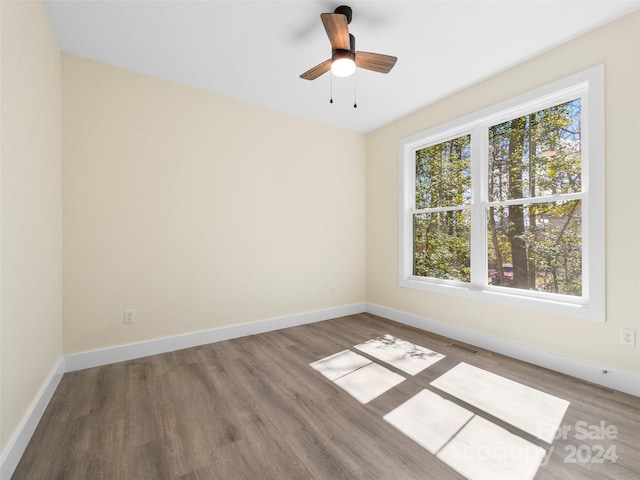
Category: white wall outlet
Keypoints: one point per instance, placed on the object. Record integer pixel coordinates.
(332, 289)
(129, 316)
(628, 337)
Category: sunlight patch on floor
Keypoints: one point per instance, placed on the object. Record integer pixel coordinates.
(403, 355)
(485, 451)
(429, 420)
(369, 382)
(340, 364)
(475, 447)
(526, 408)
(357, 375)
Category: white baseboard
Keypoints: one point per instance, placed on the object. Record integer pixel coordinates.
(591, 372)
(95, 358)
(20, 439)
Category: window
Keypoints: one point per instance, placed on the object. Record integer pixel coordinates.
(507, 204)
(441, 220)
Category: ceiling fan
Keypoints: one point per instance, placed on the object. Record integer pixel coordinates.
(344, 58)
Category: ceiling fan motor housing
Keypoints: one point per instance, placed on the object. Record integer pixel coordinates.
(346, 11)
(351, 53)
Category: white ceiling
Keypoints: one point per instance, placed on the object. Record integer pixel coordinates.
(255, 51)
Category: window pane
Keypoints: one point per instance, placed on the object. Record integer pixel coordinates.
(536, 247)
(537, 154)
(443, 174)
(442, 245)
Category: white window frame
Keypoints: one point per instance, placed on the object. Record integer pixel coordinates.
(587, 85)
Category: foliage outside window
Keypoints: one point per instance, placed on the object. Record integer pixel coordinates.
(507, 204)
(531, 157)
(442, 229)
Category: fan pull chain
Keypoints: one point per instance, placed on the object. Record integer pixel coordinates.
(355, 105)
(331, 88)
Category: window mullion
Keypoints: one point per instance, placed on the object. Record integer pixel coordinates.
(543, 199)
(407, 206)
(479, 141)
(451, 208)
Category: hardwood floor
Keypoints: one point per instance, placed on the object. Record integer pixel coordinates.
(252, 408)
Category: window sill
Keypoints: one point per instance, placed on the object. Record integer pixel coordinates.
(501, 295)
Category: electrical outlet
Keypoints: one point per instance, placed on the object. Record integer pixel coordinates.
(628, 337)
(129, 316)
(332, 290)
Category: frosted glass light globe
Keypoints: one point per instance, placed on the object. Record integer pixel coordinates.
(343, 67)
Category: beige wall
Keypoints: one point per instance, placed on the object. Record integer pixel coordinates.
(31, 235)
(199, 211)
(615, 45)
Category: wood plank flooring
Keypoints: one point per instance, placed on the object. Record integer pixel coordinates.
(252, 408)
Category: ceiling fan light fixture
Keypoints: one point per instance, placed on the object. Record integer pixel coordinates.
(344, 58)
(343, 64)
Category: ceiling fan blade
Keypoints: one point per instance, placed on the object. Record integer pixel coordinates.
(337, 29)
(375, 61)
(316, 71)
